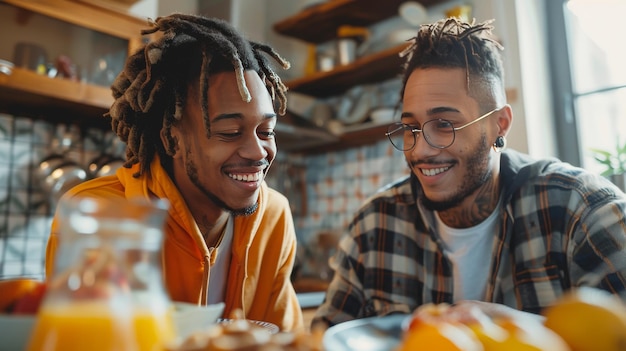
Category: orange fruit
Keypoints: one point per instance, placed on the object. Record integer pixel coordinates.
(29, 302)
(589, 319)
(519, 334)
(526, 335)
(13, 289)
(440, 336)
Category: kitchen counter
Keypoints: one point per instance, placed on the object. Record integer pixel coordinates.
(309, 301)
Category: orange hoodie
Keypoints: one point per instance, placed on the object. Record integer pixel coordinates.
(263, 249)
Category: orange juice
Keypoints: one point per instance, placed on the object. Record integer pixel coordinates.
(153, 330)
(96, 327)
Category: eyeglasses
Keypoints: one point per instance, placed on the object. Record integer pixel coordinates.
(438, 133)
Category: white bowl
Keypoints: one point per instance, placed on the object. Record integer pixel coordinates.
(271, 327)
(190, 318)
(6, 67)
(15, 330)
(382, 115)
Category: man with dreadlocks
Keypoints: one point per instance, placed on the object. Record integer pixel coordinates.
(472, 223)
(196, 110)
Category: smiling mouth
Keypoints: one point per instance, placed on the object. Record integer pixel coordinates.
(249, 177)
(433, 171)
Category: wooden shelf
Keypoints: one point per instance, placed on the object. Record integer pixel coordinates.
(319, 23)
(87, 15)
(369, 69)
(25, 92)
(352, 136)
(294, 133)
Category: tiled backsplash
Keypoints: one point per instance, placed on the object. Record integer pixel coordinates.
(336, 183)
(25, 208)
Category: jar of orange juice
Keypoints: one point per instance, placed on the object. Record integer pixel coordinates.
(106, 292)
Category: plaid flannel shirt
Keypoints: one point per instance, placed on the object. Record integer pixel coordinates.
(561, 227)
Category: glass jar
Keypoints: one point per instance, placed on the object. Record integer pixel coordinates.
(106, 292)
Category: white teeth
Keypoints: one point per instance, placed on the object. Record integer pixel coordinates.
(434, 171)
(252, 177)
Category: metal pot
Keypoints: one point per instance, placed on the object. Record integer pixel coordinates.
(58, 174)
(105, 164)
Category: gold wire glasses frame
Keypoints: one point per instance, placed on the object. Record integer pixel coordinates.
(438, 133)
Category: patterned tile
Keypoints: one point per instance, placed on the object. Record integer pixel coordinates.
(19, 176)
(18, 203)
(43, 132)
(4, 205)
(16, 224)
(23, 130)
(39, 204)
(5, 176)
(6, 126)
(24, 212)
(38, 226)
(21, 153)
(5, 151)
(12, 268)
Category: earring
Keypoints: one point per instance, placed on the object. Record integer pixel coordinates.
(499, 144)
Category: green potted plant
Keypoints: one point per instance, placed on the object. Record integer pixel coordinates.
(614, 162)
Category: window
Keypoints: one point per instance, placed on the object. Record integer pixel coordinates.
(588, 55)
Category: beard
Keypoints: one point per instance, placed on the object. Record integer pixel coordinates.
(192, 173)
(478, 173)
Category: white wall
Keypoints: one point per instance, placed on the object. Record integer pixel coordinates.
(294, 50)
(505, 28)
(154, 8)
(520, 24)
(145, 8)
(167, 7)
(535, 68)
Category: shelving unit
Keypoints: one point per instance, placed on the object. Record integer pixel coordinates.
(369, 69)
(23, 92)
(318, 24)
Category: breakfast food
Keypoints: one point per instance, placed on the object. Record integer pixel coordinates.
(446, 327)
(29, 302)
(589, 319)
(584, 319)
(21, 295)
(430, 332)
(244, 335)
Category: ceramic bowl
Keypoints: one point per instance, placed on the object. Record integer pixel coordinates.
(190, 318)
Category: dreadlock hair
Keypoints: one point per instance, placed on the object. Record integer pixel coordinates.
(452, 43)
(150, 93)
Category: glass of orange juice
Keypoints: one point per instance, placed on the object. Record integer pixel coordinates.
(106, 292)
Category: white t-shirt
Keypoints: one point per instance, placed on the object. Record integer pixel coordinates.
(219, 270)
(469, 249)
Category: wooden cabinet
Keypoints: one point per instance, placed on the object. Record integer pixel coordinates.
(95, 40)
(319, 24)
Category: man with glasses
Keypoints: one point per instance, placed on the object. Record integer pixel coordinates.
(472, 222)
